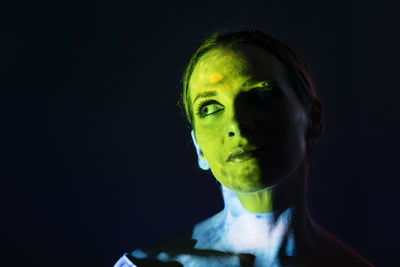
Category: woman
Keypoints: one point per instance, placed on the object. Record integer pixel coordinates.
(255, 118)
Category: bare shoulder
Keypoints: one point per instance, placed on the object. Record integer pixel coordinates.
(178, 242)
(183, 248)
(163, 253)
(188, 239)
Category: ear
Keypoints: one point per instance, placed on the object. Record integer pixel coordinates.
(316, 124)
(203, 163)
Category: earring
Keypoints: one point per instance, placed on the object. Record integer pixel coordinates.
(203, 164)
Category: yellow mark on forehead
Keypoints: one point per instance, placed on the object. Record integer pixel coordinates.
(214, 77)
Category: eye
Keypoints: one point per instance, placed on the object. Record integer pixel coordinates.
(208, 107)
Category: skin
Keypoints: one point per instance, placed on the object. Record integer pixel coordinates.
(247, 102)
(252, 105)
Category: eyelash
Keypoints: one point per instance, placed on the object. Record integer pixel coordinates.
(203, 104)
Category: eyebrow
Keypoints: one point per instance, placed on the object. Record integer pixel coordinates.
(250, 82)
(254, 80)
(204, 95)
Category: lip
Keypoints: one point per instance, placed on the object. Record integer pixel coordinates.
(241, 154)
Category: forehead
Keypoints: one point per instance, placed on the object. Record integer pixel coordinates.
(222, 68)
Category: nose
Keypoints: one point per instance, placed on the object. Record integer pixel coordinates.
(239, 125)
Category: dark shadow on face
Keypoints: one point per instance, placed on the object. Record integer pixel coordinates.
(256, 113)
(265, 120)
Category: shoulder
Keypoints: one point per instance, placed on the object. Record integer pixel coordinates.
(192, 238)
(183, 248)
(159, 254)
(124, 261)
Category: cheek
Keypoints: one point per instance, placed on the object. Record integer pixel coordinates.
(283, 129)
(210, 139)
(291, 120)
(293, 136)
(209, 143)
(300, 124)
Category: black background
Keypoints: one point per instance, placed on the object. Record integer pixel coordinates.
(96, 158)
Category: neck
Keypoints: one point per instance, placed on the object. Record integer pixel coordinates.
(277, 214)
(290, 193)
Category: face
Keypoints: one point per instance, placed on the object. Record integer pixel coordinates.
(248, 121)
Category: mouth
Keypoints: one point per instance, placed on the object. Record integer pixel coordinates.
(242, 154)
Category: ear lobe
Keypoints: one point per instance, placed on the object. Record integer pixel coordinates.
(316, 122)
(201, 160)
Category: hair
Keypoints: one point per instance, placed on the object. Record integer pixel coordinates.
(299, 72)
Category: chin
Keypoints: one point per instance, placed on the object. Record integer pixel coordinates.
(252, 187)
(260, 184)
